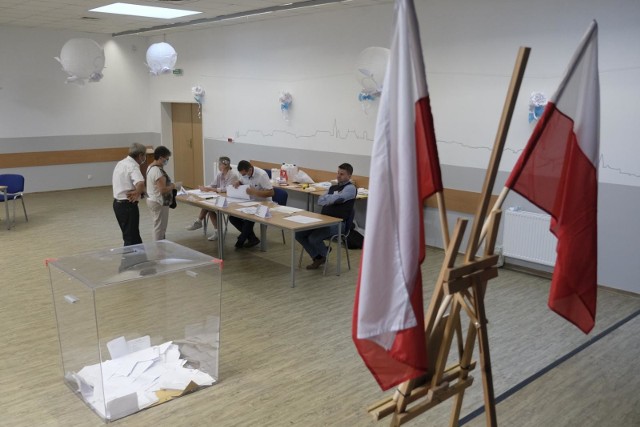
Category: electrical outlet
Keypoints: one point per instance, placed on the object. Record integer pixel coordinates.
(89, 177)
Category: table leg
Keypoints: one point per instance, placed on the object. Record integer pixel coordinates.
(221, 234)
(263, 237)
(339, 247)
(292, 239)
(206, 221)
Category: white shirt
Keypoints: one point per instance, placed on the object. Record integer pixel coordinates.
(125, 177)
(222, 181)
(258, 180)
(154, 173)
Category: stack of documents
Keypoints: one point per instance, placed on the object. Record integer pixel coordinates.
(138, 376)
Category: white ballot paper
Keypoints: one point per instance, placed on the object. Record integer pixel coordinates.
(238, 193)
(302, 219)
(287, 209)
(127, 383)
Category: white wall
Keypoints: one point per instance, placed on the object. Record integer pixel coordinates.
(40, 112)
(470, 49)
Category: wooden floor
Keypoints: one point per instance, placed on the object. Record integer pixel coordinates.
(286, 354)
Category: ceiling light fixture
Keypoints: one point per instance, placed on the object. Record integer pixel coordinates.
(220, 18)
(144, 11)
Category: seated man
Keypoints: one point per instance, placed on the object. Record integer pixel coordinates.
(338, 202)
(259, 189)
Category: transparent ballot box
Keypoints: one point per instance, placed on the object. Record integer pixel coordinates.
(138, 326)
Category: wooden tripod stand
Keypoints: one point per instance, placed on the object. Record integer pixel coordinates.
(459, 289)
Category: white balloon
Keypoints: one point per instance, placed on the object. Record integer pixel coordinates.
(161, 58)
(82, 59)
(371, 66)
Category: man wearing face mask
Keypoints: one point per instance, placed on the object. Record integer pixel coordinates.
(159, 190)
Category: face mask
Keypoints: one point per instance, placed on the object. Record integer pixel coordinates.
(165, 162)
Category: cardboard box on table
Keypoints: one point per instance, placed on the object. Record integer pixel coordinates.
(138, 325)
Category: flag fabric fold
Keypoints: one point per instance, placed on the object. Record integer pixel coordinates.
(388, 320)
(558, 173)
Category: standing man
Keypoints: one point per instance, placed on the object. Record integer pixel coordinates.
(260, 188)
(128, 189)
(338, 202)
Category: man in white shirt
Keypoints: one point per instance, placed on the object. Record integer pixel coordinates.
(260, 188)
(128, 189)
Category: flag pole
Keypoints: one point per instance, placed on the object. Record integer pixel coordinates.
(478, 223)
(496, 206)
(444, 224)
(498, 146)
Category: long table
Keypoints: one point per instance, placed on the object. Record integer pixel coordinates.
(277, 219)
(311, 192)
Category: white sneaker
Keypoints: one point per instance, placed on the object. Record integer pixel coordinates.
(196, 224)
(213, 236)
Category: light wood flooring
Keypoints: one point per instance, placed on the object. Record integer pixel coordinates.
(286, 354)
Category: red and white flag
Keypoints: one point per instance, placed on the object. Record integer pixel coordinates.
(558, 172)
(388, 320)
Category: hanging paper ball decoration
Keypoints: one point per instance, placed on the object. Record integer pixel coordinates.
(371, 66)
(537, 102)
(161, 58)
(285, 99)
(82, 60)
(198, 95)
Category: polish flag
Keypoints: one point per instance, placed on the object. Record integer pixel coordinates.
(388, 320)
(558, 172)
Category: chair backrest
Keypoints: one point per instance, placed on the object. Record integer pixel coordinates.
(268, 171)
(14, 182)
(280, 196)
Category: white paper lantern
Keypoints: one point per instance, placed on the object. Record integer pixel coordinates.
(371, 66)
(82, 59)
(161, 58)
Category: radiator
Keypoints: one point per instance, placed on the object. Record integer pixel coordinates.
(527, 237)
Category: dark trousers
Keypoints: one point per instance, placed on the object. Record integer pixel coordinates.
(244, 227)
(128, 217)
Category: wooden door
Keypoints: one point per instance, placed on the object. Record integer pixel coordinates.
(187, 144)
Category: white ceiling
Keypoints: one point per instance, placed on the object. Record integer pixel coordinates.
(74, 14)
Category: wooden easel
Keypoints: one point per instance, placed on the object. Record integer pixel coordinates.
(459, 289)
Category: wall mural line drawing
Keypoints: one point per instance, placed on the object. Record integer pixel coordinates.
(334, 132)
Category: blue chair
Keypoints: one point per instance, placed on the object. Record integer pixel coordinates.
(15, 188)
(280, 196)
(268, 171)
(346, 229)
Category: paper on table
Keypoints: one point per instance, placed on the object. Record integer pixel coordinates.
(238, 193)
(251, 210)
(302, 219)
(203, 194)
(248, 203)
(287, 209)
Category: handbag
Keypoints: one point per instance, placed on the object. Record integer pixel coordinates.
(169, 199)
(173, 203)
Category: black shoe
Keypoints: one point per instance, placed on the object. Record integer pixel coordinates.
(239, 244)
(252, 242)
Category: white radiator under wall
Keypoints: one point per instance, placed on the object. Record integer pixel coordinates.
(527, 237)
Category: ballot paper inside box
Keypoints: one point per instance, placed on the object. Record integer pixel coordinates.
(138, 326)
